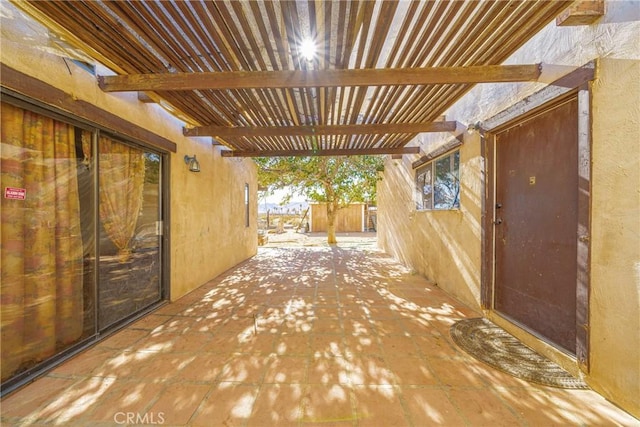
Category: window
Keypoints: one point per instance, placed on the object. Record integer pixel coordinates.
(438, 183)
(246, 204)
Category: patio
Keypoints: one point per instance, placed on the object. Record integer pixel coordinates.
(316, 335)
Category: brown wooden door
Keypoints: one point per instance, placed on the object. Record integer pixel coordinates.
(536, 224)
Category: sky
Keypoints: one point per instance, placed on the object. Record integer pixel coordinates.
(278, 195)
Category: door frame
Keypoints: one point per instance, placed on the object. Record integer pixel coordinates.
(575, 84)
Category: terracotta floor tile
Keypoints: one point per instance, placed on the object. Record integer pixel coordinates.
(286, 370)
(352, 311)
(175, 325)
(157, 342)
(388, 327)
(227, 404)
(158, 366)
(277, 405)
(539, 407)
(202, 367)
(123, 339)
(34, 395)
(336, 345)
(370, 370)
(297, 323)
(361, 344)
(328, 370)
(429, 406)
(398, 346)
(222, 343)
(150, 321)
(295, 344)
(410, 371)
(261, 343)
(436, 344)
(73, 405)
(178, 402)
(327, 345)
(454, 372)
(190, 342)
(327, 405)
(326, 325)
(85, 363)
(379, 406)
(126, 397)
(125, 364)
(244, 368)
(204, 325)
(327, 312)
(481, 407)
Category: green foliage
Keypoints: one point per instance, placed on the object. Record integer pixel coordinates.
(338, 180)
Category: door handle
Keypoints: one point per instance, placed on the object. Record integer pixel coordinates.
(498, 221)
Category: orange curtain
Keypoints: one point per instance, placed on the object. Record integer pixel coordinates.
(121, 192)
(41, 290)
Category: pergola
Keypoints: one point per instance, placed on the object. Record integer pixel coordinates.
(287, 78)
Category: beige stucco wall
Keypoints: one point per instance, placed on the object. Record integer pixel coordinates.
(615, 233)
(441, 245)
(208, 216)
(446, 246)
(207, 210)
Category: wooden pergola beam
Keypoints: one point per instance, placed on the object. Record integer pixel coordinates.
(287, 79)
(361, 129)
(333, 152)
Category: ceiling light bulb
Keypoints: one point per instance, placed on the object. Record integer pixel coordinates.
(308, 49)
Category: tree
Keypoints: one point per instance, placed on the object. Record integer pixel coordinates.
(336, 181)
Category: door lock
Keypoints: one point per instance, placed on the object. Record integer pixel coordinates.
(498, 221)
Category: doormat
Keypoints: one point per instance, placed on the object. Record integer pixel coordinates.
(494, 346)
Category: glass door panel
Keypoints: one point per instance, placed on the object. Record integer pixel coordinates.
(46, 292)
(130, 224)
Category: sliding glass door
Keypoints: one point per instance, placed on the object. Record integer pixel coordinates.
(130, 230)
(81, 234)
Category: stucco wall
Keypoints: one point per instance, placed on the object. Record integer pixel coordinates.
(208, 233)
(615, 233)
(441, 245)
(446, 246)
(208, 216)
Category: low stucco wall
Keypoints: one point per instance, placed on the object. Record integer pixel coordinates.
(207, 209)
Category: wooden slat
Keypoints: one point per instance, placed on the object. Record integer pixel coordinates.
(324, 78)
(335, 152)
(362, 129)
(138, 38)
(583, 12)
(451, 145)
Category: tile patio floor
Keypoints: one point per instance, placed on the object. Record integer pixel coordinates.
(313, 336)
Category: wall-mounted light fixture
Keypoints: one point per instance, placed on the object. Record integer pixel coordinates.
(194, 165)
(475, 127)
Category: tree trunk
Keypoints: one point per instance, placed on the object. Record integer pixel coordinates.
(332, 208)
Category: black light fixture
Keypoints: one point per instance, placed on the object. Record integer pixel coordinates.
(194, 165)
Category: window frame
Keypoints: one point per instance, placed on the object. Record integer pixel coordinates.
(247, 199)
(430, 169)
